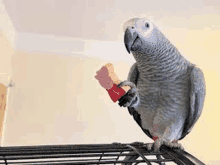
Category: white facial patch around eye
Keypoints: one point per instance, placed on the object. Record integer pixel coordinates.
(140, 26)
(149, 30)
(143, 30)
(129, 23)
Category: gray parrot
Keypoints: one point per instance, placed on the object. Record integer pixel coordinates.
(167, 91)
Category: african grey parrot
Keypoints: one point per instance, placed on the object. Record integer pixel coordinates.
(167, 91)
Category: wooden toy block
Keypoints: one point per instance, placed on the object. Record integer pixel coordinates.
(109, 80)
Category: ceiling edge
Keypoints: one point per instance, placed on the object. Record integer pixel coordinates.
(61, 45)
(6, 25)
(35, 43)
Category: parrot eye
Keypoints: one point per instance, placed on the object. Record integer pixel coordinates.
(147, 25)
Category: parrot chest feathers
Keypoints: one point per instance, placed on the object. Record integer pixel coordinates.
(165, 101)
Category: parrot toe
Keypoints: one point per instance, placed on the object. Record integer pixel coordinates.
(131, 97)
(137, 143)
(158, 143)
(161, 141)
(149, 146)
(126, 83)
(174, 145)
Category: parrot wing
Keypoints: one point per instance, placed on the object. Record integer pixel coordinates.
(133, 74)
(133, 77)
(197, 98)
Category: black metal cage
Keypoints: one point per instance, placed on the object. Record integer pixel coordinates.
(95, 154)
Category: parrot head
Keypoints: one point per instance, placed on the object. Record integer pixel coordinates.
(140, 34)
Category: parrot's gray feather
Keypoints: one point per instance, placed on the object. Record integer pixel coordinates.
(137, 118)
(133, 74)
(170, 90)
(133, 77)
(197, 98)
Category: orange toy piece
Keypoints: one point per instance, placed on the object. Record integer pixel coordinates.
(109, 80)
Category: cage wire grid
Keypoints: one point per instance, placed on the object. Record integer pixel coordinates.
(82, 154)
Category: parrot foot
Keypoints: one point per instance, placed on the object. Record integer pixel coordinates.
(149, 146)
(160, 141)
(131, 97)
(156, 145)
(137, 143)
(174, 145)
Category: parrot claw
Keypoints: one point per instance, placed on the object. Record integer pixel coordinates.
(159, 142)
(131, 97)
(149, 146)
(174, 145)
(126, 83)
(137, 143)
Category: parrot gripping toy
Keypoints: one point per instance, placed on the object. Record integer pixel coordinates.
(167, 92)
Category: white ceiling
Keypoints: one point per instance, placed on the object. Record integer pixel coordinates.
(100, 19)
(95, 19)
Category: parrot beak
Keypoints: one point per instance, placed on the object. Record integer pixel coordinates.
(129, 38)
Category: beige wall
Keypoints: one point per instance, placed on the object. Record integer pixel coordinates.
(6, 25)
(56, 99)
(3, 91)
(6, 51)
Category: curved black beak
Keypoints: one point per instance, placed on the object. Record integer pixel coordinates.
(129, 38)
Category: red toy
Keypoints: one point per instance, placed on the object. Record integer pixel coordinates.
(108, 80)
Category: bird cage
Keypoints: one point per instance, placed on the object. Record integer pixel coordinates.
(115, 153)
